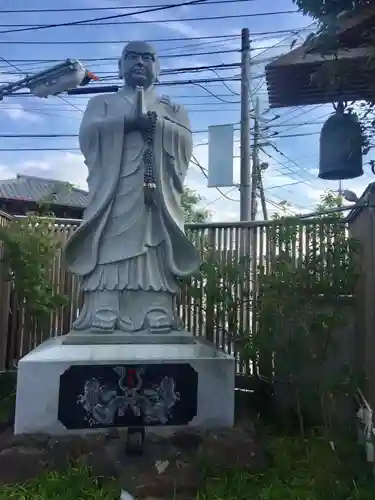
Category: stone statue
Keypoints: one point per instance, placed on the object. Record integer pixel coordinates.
(131, 250)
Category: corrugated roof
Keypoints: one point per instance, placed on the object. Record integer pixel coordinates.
(38, 189)
(308, 74)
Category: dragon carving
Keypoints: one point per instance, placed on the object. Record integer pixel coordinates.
(102, 403)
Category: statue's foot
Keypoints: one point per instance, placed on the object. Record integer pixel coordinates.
(159, 322)
(104, 320)
(125, 324)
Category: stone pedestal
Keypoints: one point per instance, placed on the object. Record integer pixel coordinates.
(68, 386)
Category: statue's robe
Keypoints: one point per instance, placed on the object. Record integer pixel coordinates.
(122, 244)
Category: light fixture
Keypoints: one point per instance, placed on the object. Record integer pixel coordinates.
(60, 78)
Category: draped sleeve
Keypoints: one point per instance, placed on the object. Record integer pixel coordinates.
(178, 145)
(101, 138)
(89, 138)
(173, 149)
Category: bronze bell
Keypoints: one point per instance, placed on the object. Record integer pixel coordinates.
(341, 147)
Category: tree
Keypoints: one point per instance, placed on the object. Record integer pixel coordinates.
(323, 10)
(329, 200)
(30, 245)
(193, 214)
(313, 271)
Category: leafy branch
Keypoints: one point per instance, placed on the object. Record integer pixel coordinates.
(29, 248)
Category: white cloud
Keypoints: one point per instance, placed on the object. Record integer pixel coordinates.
(18, 113)
(6, 172)
(178, 27)
(70, 167)
(62, 166)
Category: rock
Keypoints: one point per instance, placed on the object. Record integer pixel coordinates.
(113, 433)
(162, 472)
(20, 464)
(171, 467)
(4, 427)
(178, 478)
(100, 464)
(186, 441)
(9, 440)
(75, 446)
(232, 448)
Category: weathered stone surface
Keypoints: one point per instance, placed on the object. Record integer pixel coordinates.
(100, 464)
(187, 441)
(233, 448)
(170, 466)
(161, 472)
(162, 479)
(174, 465)
(75, 446)
(20, 464)
(9, 440)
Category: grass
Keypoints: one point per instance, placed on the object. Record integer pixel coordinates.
(74, 484)
(300, 469)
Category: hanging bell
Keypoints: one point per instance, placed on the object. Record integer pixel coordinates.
(341, 147)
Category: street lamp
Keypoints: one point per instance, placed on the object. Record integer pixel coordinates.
(60, 78)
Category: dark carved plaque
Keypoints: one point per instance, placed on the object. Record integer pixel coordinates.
(98, 396)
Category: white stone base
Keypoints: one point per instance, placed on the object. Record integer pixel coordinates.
(39, 378)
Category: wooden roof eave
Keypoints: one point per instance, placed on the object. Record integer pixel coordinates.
(317, 58)
(316, 43)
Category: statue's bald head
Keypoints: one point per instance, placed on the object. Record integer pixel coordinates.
(139, 64)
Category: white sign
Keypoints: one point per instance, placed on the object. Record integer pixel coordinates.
(220, 155)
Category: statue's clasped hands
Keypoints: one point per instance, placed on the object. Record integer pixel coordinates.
(144, 122)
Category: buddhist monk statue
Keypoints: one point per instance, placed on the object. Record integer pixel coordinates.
(130, 250)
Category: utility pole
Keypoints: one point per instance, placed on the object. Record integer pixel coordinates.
(255, 170)
(262, 195)
(245, 126)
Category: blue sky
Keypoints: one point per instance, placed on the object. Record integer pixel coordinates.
(293, 160)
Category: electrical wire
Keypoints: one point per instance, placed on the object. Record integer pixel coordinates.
(157, 40)
(215, 95)
(29, 27)
(195, 162)
(220, 198)
(93, 9)
(291, 161)
(115, 59)
(105, 18)
(302, 112)
(160, 84)
(162, 56)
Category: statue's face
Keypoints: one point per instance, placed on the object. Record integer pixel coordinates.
(138, 65)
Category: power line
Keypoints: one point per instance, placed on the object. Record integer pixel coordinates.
(95, 89)
(161, 56)
(93, 9)
(115, 59)
(25, 27)
(295, 31)
(292, 161)
(177, 96)
(303, 112)
(155, 40)
(105, 18)
(63, 135)
(107, 74)
(38, 149)
(194, 161)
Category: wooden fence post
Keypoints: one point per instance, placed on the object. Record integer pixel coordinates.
(4, 301)
(210, 306)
